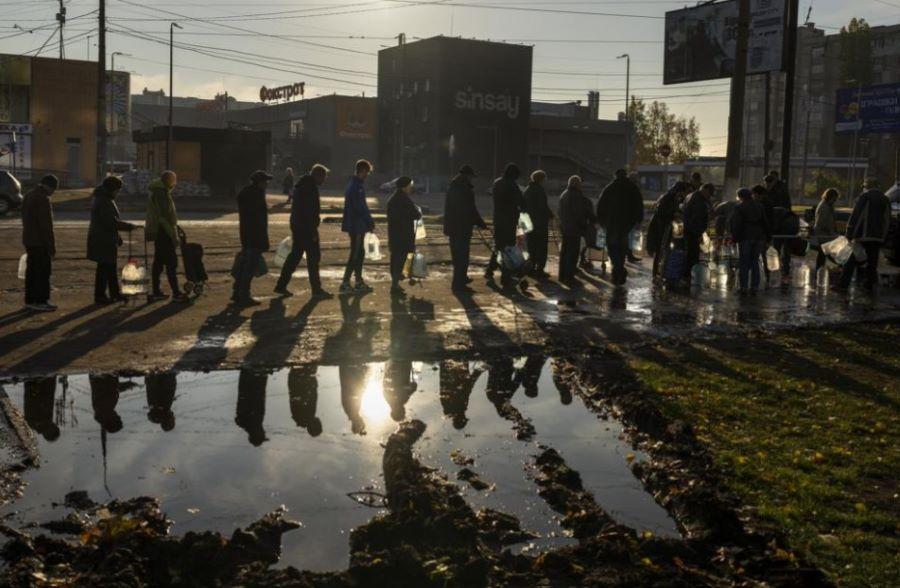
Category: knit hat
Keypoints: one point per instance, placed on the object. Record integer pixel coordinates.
(50, 181)
(111, 183)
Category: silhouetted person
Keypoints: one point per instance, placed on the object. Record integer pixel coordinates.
(353, 379)
(868, 226)
(779, 197)
(576, 214)
(161, 388)
(460, 216)
(356, 222)
(508, 204)
(530, 374)
(539, 210)
(501, 384)
(38, 407)
(253, 214)
(456, 383)
(696, 221)
(251, 405)
(39, 240)
(619, 209)
(104, 398)
(565, 391)
(162, 228)
(103, 240)
(287, 183)
(306, 209)
(659, 231)
(402, 215)
(398, 386)
(303, 395)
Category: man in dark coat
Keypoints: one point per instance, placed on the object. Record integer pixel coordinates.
(659, 229)
(576, 214)
(619, 209)
(460, 215)
(539, 210)
(303, 395)
(749, 228)
(40, 243)
(508, 204)
(401, 217)
(696, 221)
(868, 225)
(305, 219)
(250, 412)
(778, 207)
(103, 240)
(253, 215)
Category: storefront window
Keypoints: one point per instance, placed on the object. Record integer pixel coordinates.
(296, 130)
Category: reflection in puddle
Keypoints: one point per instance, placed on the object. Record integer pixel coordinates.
(307, 436)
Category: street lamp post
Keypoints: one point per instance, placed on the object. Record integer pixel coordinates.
(172, 27)
(627, 59)
(110, 98)
(852, 188)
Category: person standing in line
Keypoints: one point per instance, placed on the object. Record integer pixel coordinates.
(250, 412)
(749, 229)
(40, 243)
(103, 240)
(824, 227)
(539, 210)
(696, 221)
(401, 217)
(633, 178)
(659, 231)
(508, 204)
(780, 198)
(696, 181)
(306, 211)
(868, 226)
(761, 196)
(576, 213)
(287, 184)
(253, 215)
(460, 215)
(619, 209)
(303, 396)
(160, 388)
(356, 222)
(162, 229)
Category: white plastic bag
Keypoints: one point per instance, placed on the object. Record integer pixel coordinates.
(373, 247)
(832, 247)
(706, 244)
(601, 238)
(525, 225)
(636, 240)
(419, 268)
(284, 249)
(134, 278)
(420, 230)
(23, 266)
(772, 260)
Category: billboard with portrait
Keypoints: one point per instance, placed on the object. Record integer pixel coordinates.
(701, 42)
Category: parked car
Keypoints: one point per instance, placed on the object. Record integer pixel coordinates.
(10, 193)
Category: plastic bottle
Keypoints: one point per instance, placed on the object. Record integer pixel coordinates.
(822, 277)
(373, 247)
(772, 260)
(134, 278)
(23, 266)
(284, 249)
(636, 240)
(601, 238)
(420, 230)
(700, 275)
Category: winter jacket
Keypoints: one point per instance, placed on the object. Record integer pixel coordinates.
(508, 204)
(824, 227)
(666, 209)
(779, 196)
(576, 213)
(696, 214)
(37, 220)
(401, 217)
(871, 217)
(306, 208)
(536, 205)
(357, 219)
(620, 208)
(460, 212)
(722, 213)
(748, 222)
(287, 184)
(103, 233)
(253, 215)
(161, 214)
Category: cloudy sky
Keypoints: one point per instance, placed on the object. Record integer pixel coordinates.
(237, 46)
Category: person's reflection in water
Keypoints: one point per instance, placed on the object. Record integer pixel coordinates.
(456, 387)
(161, 388)
(530, 374)
(562, 386)
(501, 384)
(398, 386)
(353, 379)
(303, 394)
(251, 405)
(38, 407)
(104, 398)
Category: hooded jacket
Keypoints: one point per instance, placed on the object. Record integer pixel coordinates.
(508, 203)
(357, 219)
(161, 214)
(37, 220)
(576, 213)
(536, 205)
(460, 212)
(749, 222)
(696, 214)
(401, 217)
(253, 215)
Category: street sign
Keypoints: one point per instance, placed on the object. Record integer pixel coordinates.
(665, 150)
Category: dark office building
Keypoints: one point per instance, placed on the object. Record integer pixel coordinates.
(445, 101)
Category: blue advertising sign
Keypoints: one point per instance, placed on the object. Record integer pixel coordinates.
(872, 109)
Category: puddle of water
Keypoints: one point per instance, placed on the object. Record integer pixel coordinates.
(306, 437)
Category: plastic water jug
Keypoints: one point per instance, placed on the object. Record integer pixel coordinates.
(373, 247)
(134, 278)
(822, 277)
(23, 266)
(700, 275)
(677, 229)
(706, 245)
(772, 260)
(284, 249)
(601, 238)
(420, 230)
(407, 266)
(525, 224)
(419, 266)
(636, 240)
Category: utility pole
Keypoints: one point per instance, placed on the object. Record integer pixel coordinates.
(401, 41)
(61, 18)
(172, 27)
(789, 75)
(851, 192)
(101, 92)
(767, 139)
(627, 58)
(736, 110)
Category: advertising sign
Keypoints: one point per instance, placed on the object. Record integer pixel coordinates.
(118, 92)
(875, 109)
(18, 158)
(356, 119)
(701, 42)
(282, 92)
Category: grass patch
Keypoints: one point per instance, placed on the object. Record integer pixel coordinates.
(806, 426)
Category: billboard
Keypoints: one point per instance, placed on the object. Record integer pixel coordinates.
(872, 109)
(356, 118)
(22, 155)
(701, 42)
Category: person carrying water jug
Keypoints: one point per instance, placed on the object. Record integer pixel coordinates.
(508, 204)
(253, 216)
(868, 226)
(103, 240)
(356, 222)
(401, 217)
(619, 210)
(696, 221)
(750, 230)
